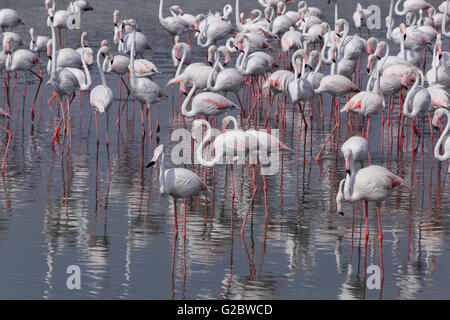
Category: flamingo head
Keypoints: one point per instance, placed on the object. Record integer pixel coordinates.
(438, 114)
(404, 82)
(402, 27)
(49, 49)
(369, 63)
(348, 156)
(379, 49)
(156, 154)
(370, 45)
(47, 5)
(211, 51)
(116, 16)
(8, 48)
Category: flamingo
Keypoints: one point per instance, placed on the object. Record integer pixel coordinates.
(126, 42)
(16, 39)
(23, 60)
(444, 138)
(410, 5)
(85, 51)
(213, 31)
(438, 73)
(358, 148)
(227, 80)
(101, 96)
(62, 19)
(373, 183)
(417, 102)
(360, 17)
(9, 19)
(185, 58)
(174, 25)
(38, 44)
(367, 103)
(207, 104)
(83, 5)
(5, 115)
(145, 90)
(65, 81)
(179, 183)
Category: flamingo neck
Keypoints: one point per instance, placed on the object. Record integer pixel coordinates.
(207, 137)
(186, 102)
(213, 70)
(441, 140)
(406, 104)
(100, 68)
(133, 78)
(350, 182)
(162, 174)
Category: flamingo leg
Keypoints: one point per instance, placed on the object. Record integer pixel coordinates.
(37, 93)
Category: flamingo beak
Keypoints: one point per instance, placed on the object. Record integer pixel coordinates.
(341, 213)
(347, 165)
(150, 164)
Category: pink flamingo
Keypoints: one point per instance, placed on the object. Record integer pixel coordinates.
(417, 102)
(373, 183)
(410, 5)
(23, 60)
(145, 90)
(62, 19)
(227, 80)
(207, 104)
(174, 25)
(101, 96)
(179, 183)
(358, 148)
(367, 103)
(9, 19)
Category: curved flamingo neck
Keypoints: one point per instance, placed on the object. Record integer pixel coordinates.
(213, 71)
(207, 137)
(186, 102)
(441, 140)
(413, 113)
(100, 68)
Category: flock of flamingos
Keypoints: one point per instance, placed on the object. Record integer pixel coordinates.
(280, 56)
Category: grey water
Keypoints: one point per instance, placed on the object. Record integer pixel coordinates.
(100, 208)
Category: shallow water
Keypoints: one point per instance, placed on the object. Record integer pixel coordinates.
(100, 208)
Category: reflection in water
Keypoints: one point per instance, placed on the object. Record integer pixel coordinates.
(100, 208)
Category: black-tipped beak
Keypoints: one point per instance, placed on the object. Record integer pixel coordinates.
(334, 60)
(404, 36)
(320, 38)
(150, 164)
(225, 64)
(378, 57)
(309, 67)
(440, 56)
(339, 35)
(210, 63)
(341, 213)
(404, 87)
(51, 19)
(368, 71)
(348, 171)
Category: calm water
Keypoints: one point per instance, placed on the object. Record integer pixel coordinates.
(101, 209)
